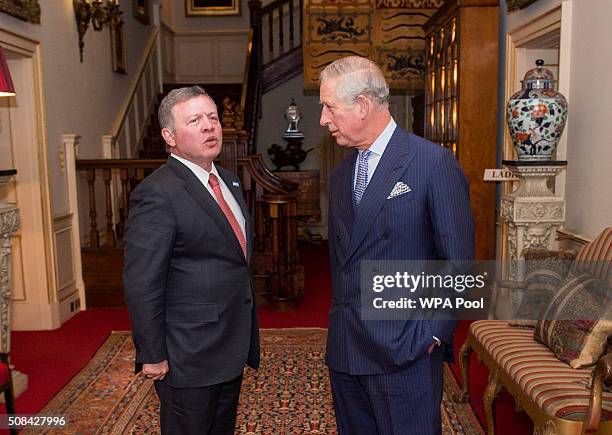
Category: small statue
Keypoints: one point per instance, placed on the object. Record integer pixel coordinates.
(293, 154)
(293, 115)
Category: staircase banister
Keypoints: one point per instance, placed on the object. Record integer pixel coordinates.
(273, 6)
(269, 181)
(245, 77)
(127, 101)
(119, 163)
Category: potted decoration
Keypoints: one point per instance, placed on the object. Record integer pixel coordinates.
(536, 115)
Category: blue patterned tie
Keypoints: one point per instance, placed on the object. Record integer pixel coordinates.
(362, 176)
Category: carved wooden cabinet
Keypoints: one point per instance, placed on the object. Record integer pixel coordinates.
(461, 99)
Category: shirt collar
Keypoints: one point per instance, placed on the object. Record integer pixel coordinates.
(380, 144)
(199, 171)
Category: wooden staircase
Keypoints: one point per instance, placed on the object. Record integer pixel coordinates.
(278, 275)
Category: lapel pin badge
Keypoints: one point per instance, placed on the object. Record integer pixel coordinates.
(235, 184)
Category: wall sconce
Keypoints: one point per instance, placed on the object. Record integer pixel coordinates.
(97, 13)
(6, 83)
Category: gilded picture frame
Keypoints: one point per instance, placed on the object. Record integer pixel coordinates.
(118, 48)
(195, 8)
(512, 5)
(26, 10)
(141, 11)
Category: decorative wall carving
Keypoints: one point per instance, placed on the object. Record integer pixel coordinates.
(9, 224)
(390, 32)
(540, 211)
(537, 236)
(512, 252)
(26, 10)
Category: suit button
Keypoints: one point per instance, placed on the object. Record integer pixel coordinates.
(346, 305)
(247, 301)
(338, 238)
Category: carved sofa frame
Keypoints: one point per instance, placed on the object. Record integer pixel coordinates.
(492, 341)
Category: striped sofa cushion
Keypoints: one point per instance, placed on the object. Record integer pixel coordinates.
(553, 385)
(596, 257)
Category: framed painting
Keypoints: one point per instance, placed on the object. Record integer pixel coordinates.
(194, 8)
(118, 48)
(512, 5)
(141, 10)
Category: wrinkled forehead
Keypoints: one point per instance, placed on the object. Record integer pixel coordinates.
(328, 91)
(199, 103)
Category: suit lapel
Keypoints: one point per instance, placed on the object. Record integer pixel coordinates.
(205, 200)
(393, 163)
(346, 211)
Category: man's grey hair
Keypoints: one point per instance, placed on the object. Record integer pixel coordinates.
(357, 76)
(175, 96)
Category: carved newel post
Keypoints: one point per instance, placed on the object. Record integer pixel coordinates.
(9, 224)
(532, 212)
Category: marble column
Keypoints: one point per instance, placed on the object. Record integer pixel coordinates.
(533, 213)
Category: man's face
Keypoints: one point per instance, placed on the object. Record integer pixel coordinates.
(197, 131)
(343, 120)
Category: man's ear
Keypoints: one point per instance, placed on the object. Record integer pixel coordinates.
(365, 106)
(168, 137)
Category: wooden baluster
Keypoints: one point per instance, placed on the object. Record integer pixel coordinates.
(291, 239)
(291, 36)
(124, 175)
(270, 35)
(261, 226)
(281, 29)
(110, 232)
(301, 19)
(274, 273)
(284, 291)
(94, 240)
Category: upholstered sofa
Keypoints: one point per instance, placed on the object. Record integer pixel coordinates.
(558, 398)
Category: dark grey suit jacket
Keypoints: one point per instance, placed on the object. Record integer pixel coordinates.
(187, 284)
(433, 221)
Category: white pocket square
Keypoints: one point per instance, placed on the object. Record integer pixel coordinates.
(399, 189)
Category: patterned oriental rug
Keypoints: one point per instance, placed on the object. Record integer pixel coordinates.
(289, 394)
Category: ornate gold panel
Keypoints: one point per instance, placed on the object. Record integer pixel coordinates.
(342, 27)
(390, 32)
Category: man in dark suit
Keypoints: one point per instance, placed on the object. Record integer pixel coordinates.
(187, 274)
(397, 197)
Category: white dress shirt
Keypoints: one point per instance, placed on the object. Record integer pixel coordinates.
(377, 149)
(203, 175)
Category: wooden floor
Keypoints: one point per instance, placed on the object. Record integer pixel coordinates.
(102, 274)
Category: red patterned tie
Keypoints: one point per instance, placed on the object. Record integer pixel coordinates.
(227, 211)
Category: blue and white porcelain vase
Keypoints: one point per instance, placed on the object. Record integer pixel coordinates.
(536, 115)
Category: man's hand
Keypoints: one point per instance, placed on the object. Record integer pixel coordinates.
(156, 371)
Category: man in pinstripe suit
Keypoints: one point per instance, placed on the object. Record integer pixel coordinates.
(397, 197)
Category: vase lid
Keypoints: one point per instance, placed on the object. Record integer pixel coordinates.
(539, 77)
